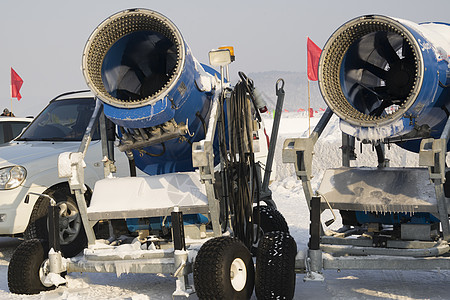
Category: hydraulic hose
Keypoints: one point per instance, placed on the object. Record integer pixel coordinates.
(239, 166)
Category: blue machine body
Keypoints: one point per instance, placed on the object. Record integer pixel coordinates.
(177, 155)
(152, 87)
(157, 223)
(138, 63)
(388, 79)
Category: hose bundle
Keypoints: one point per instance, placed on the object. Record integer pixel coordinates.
(240, 178)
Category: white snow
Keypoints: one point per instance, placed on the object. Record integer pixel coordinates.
(376, 133)
(288, 195)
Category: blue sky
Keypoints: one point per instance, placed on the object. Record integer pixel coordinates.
(43, 40)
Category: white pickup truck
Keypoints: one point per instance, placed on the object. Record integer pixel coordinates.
(28, 164)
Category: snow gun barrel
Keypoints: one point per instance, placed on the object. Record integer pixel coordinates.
(388, 78)
(139, 65)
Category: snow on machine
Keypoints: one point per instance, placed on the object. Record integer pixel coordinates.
(387, 80)
(196, 136)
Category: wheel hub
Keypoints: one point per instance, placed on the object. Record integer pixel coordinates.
(238, 274)
(69, 222)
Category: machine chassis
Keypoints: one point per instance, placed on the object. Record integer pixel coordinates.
(355, 248)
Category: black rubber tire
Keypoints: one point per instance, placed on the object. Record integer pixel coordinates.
(275, 266)
(270, 219)
(212, 267)
(24, 266)
(38, 225)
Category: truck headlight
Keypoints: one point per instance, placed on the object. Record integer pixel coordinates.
(12, 177)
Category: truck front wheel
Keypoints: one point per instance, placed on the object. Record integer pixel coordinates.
(71, 232)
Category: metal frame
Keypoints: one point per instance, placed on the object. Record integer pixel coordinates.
(177, 262)
(328, 252)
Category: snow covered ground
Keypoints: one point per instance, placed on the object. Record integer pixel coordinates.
(288, 195)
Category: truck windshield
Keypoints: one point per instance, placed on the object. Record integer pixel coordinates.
(63, 120)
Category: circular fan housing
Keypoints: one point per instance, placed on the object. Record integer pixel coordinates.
(371, 71)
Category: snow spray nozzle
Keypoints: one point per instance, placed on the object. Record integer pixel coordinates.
(384, 76)
(138, 64)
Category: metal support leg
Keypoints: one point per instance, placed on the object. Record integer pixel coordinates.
(214, 208)
(183, 288)
(179, 242)
(348, 149)
(314, 261)
(432, 154)
(71, 166)
(442, 207)
(53, 227)
(81, 202)
(314, 226)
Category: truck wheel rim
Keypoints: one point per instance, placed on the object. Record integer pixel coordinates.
(69, 222)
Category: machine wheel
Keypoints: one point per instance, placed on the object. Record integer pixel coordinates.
(275, 266)
(26, 270)
(223, 269)
(270, 219)
(71, 232)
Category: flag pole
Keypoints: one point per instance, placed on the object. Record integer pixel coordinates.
(10, 94)
(309, 112)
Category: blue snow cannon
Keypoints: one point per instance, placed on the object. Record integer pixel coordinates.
(152, 87)
(388, 79)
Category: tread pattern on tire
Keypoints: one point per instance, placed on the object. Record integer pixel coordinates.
(270, 219)
(275, 266)
(23, 269)
(211, 269)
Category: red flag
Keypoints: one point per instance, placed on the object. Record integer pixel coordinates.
(311, 113)
(16, 84)
(313, 59)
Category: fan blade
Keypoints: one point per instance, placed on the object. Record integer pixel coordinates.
(406, 50)
(365, 98)
(380, 109)
(379, 91)
(384, 48)
(377, 71)
(382, 92)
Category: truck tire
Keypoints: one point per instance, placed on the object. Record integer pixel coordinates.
(24, 270)
(275, 266)
(72, 235)
(223, 269)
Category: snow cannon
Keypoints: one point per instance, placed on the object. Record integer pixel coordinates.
(388, 79)
(138, 64)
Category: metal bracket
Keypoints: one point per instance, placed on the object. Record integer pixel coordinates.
(432, 155)
(71, 166)
(299, 151)
(203, 158)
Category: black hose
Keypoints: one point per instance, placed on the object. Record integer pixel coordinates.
(240, 167)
